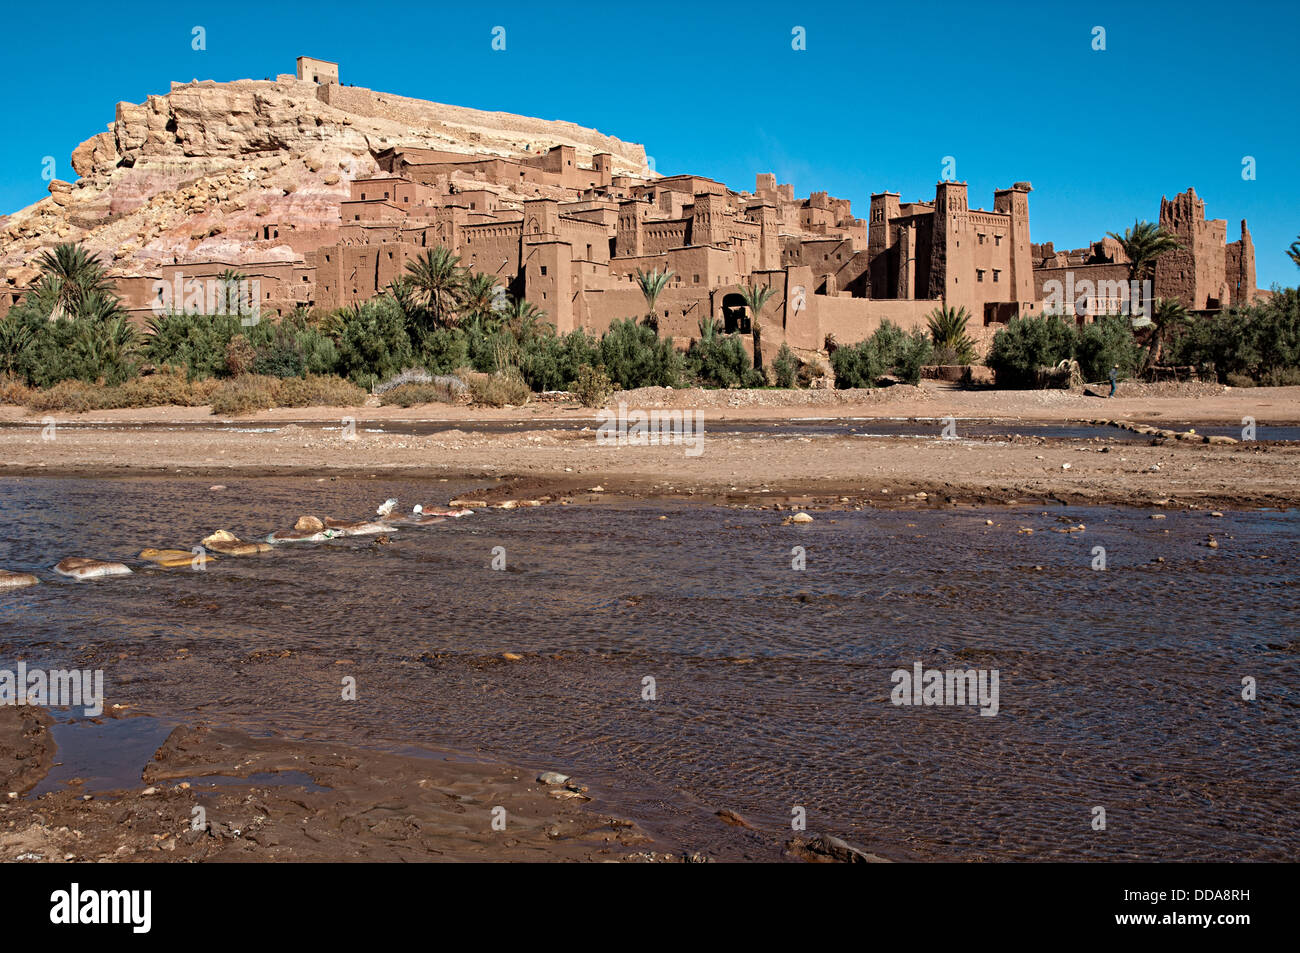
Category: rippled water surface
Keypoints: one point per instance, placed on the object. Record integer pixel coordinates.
(1119, 689)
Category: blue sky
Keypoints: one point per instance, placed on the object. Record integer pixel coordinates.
(1181, 95)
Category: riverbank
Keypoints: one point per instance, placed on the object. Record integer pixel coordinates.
(266, 799)
(551, 450)
(1198, 403)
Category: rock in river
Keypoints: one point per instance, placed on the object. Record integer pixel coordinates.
(79, 567)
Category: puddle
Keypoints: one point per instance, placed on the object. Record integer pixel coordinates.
(296, 779)
(105, 755)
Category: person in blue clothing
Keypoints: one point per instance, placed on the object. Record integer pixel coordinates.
(1114, 373)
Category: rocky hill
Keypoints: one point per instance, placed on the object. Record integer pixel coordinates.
(196, 173)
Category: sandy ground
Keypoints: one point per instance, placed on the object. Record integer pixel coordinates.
(1198, 403)
(566, 464)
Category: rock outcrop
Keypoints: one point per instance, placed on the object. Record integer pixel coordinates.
(194, 174)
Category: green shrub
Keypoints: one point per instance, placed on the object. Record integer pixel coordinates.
(900, 352)
(19, 337)
(718, 360)
(196, 342)
(1261, 341)
(856, 365)
(889, 350)
(1106, 343)
(373, 342)
(1026, 344)
(548, 362)
(785, 367)
(320, 355)
(635, 356)
(592, 387)
(1280, 377)
(442, 350)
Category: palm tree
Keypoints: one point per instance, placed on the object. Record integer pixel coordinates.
(1167, 314)
(101, 306)
(652, 285)
(522, 317)
(479, 297)
(1294, 252)
(68, 275)
(232, 294)
(948, 330)
(709, 329)
(15, 343)
(1143, 244)
(755, 298)
(109, 346)
(401, 291)
(437, 283)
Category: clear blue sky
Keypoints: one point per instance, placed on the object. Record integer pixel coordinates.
(1182, 92)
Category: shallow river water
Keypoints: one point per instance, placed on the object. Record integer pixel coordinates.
(1119, 689)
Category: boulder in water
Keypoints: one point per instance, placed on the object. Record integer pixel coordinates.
(80, 567)
(308, 524)
(295, 536)
(171, 558)
(361, 528)
(16, 580)
(228, 544)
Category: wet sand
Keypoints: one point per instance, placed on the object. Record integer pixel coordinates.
(301, 801)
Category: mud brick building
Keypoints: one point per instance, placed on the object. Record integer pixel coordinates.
(567, 226)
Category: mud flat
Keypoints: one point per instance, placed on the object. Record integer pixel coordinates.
(276, 799)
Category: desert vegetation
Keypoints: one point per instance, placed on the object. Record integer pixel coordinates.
(444, 333)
